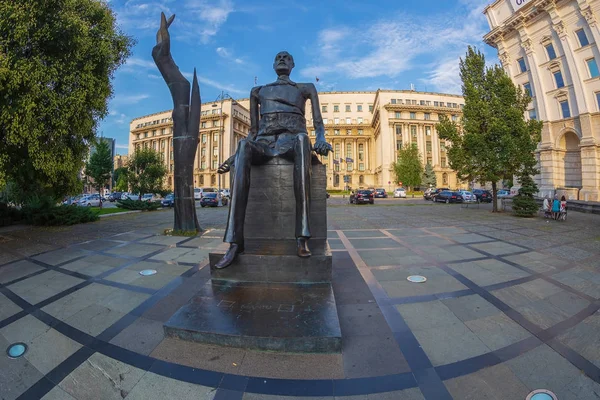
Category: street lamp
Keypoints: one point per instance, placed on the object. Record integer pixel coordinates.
(221, 98)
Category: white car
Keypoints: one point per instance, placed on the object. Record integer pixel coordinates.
(467, 196)
(92, 200)
(225, 193)
(151, 198)
(400, 193)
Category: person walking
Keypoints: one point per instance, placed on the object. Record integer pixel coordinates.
(563, 207)
(547, 207)
(555, 207)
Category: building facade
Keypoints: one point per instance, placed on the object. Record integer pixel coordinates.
(550, 48)
(120, 161)
(365, 129)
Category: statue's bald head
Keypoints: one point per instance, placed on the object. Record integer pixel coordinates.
(283, 63)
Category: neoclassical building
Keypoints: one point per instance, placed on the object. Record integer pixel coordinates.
(366, 129)
(550, 48)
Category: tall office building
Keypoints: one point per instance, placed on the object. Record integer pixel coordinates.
(365, 129)
(550, 48)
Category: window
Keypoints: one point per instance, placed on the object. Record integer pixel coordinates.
(203, 165)
(427, 116)
(359, 120)
(361, 179)
(413, 115)
(360, 131)
(162, 131)
(215, 151)
(436, 103)
(361, 152)
(413, 131)
(522, 65)
(216, 136)
(399, 144)
(454, 118)
(348, 120)
(550, 50)
(203, 124)
(398, 129)
(598, 99)
(429, 160)
(583, 40)
(413, 102)
(443, 164)
(393, 101)
(347, 107)
(370, 107)
(532, 114)
(336, 108)
(593, 67)
(325, 121)
(359, 108)
(203, 151)
(428, 146)
(336, 131)
(146, 134)
(204, 138)
(153, 133)
(361, 167)
(201, 179)
(564, 106)
(428, 131)
(422, 102)
(313, 133)
(558, 78)
(324, 108)
(214, 164)
(349, 150)
(336, 121)
(137, 137)
(445, 178)
(527, 87)
(213, 180)
(442, 146)
(397, 115)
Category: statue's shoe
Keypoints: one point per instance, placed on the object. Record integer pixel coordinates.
(303, 250)
(230, 256)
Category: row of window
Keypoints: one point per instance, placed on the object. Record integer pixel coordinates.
(211, 112)
(427, 103)
(347, 107)
(426, 116)
(348, 121)
(155, 122)
(337, 132)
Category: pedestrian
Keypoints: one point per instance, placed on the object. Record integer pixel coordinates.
(546, 207)
(555, 207)
(563, 206)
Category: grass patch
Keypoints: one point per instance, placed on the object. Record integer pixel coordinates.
(171, 232)
(104, 211)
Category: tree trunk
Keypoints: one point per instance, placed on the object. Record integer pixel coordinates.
(494, 203)
(186, 130)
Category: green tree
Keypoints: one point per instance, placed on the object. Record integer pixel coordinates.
(429, 178)
(524, 204)
(99, 167)
(57, 59)
(121, 181)
(492, 140)
(408, 168)
(146, 172)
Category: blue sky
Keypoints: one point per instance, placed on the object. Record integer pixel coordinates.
(349, 45)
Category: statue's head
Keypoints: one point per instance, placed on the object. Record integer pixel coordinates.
(284, 63)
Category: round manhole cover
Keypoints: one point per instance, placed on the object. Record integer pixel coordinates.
(16, 350)
(148, 272)
(541, 394)
(416, 278)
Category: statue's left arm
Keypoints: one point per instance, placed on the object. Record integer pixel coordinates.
(321, 146)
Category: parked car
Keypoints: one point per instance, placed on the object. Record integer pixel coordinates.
(126, 196)
(448, 196)
(91, 200)
(72, 200)
(199, 192)
(380, 193)
(400, 193)
(437, 191)
(168, 201)
(362, 197)
(503, 193)
(483, 196)
(114, 196)
(427, 193)
(151, 198)
(210, 199)
(225, 193)
(467, 196)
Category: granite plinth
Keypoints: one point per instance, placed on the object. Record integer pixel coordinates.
(279, 317)
(275, 261)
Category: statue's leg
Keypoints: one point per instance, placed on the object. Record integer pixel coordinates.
(302, 173)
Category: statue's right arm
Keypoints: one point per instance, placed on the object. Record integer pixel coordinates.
(161, 53)
(254, 113)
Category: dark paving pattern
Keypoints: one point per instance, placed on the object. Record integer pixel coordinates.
(509, 306)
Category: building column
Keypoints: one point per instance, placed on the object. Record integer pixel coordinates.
(539, 91)
(589, 16)
(579, 102)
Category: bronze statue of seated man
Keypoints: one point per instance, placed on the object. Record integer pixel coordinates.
(277, 129)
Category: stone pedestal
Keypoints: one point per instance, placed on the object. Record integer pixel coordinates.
(269, 298)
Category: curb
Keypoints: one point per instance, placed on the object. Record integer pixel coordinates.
(120, 213)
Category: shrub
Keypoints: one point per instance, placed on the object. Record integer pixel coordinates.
(524, 204)
(9, 215)
(138, 205)
(44, 212)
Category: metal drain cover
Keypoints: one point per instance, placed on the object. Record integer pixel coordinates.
(541, 394)
(416, 279)
(148, 272)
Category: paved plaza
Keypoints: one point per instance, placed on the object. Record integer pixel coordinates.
(509, 306)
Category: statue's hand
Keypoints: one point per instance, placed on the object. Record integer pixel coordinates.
(163, 32)
(322, 147)
(226, 166)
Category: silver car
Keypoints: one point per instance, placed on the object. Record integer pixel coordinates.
(92, 200)
(467, 196)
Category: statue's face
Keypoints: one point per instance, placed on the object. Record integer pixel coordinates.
(284, 63)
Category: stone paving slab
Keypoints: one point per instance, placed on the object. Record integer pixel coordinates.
(43, 286)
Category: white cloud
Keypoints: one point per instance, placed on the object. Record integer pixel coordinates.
(130, 99)
(122, 146)
(215, 84)
(154, 76)
(228, 55)
(445, 76)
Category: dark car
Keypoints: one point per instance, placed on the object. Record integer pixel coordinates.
(448, 196)
(114, 196)
(437, 191)
(362, 197)
(483, 196)
(328, 195)
(211, 200)
(381, 193)
(168, 201)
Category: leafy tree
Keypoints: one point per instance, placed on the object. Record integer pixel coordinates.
(408, 167)
(146, 172)
(120, 177)
(524, 204)
(56, 65)
(492, 140)
(99, 167)
(429, 179)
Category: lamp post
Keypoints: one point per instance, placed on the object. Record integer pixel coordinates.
(221, 98)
